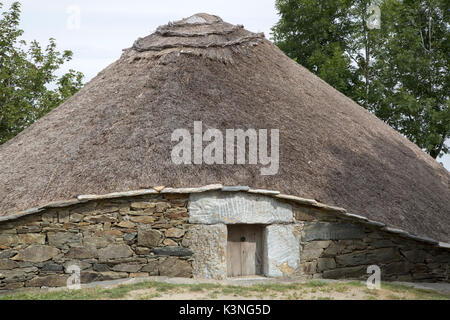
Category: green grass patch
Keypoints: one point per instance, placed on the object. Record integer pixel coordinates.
(293, 291)
(86, 294)
(419, 294)
(316, 284)
(355, 283)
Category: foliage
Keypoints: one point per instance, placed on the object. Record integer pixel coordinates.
(29, 85)
(399, 71)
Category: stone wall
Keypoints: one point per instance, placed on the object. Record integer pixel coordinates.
(107, 239)
(171, 233)
(212, 211)
(334, 247)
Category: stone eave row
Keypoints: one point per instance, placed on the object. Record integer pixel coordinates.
(218, 187)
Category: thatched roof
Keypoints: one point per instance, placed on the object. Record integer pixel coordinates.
(115, 134)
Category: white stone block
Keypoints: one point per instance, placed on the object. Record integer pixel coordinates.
(281, 250)
(237, 208)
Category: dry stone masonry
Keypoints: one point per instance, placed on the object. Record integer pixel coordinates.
(342, 247)
(107, 239)
(183, 233)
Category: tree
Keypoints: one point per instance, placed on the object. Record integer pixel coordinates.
(313, 33)
(29, 86)
(412, 72)
(399, 71)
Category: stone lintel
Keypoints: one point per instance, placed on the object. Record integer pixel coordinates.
(237, 208)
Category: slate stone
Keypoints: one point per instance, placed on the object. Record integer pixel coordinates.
(424, 239)
(170, 243)
(174, 233)
(384, 255)
(382, 243)
(396, 268)
(351, 272)
(96, 242)
(173, 267)
(19, 275)
(115, 251)
(126, 225)
(142, 205)
(142, 219)
(37, 253)
(6, 264)
(192, 190)
(6, 254)
(91, 276)
(28, 229)
(51, 281)
(235, 188)
(311, 254)
(332, 231)
(9, 239)
(81, 253)
(127, 267)
(32, 238)
(130, 236)
(172, 251)
(264, 191)
(325, 264)
(62, 239)
(142, 251)
(109, 275)
(52, 267)
(152, 268)
(310, 267)
(148, 237)
(415, 256)
(99, 267)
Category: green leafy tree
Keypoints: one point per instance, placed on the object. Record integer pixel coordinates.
(29, 86)
(314, 33)
(412, 76)
(399, 71)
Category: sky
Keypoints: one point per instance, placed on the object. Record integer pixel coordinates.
(97, 30)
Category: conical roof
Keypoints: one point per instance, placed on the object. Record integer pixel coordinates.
(115, 134)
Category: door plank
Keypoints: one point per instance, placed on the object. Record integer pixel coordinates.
(248, 251)
(244, 250)
(233, 253)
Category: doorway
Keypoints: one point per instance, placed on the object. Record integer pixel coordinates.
(244, 250)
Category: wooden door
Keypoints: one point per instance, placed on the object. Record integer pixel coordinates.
(244, 250)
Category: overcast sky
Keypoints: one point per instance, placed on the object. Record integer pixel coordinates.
(104, 27)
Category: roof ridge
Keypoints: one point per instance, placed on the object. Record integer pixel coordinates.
(200, 31)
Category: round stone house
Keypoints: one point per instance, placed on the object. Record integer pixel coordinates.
(206, 152)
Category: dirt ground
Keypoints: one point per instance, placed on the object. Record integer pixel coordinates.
(188, 289)
(305, 294)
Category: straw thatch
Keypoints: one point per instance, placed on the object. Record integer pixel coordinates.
(115, 134)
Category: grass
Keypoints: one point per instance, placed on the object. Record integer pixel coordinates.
(420, 294)
(315, 289)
